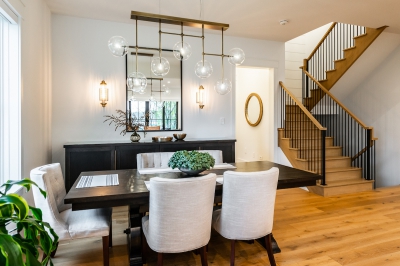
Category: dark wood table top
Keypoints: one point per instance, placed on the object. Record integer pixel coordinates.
(132, 189)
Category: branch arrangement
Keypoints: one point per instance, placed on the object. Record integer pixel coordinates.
(121, 120)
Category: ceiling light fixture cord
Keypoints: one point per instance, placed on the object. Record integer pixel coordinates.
(136, 45)
(202, 39)
(159, 43)
(222, 56)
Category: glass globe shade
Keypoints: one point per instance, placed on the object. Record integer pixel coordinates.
(152, 99)
(236, 56)
(142, 91)
(160, 67)
(203, 70)
(136, 82)
(118, 46)
(182, 50)
(223, 86)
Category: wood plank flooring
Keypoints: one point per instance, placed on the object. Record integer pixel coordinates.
(354, 229)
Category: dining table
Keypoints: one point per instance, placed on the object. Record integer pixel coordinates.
(132, 191)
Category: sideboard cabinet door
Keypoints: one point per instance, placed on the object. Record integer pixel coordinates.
(79, 160)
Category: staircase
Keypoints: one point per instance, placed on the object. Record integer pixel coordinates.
(321, 135)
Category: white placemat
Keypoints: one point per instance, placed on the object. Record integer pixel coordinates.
(224, 166)
(98, 181)
(156, 170)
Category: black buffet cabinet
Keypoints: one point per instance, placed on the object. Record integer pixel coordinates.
(114, 156)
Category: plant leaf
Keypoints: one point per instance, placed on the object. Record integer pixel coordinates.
(26, 244)
(36, 212)
(27, 183)
(31, 260)
(10, 250)
(20, 204)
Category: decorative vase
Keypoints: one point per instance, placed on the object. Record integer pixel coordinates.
(135, 137)
(190, 172)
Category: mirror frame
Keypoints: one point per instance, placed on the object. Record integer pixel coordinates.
(126, 92)
(246, 109)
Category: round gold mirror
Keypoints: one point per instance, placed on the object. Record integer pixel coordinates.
(253, 109)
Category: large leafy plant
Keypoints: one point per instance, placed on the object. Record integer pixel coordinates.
(19, 247)
(192, 160)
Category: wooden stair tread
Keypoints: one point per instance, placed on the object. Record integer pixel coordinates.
(350, 48)
(327, 158)
(328, 147)
(340, 183)
(341, 169)
(362, 35)
(338, 60)
(332, 70)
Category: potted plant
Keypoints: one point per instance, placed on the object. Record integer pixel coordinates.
(191, 162)
(20, 245)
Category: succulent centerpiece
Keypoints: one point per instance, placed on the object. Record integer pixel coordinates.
(191, 162)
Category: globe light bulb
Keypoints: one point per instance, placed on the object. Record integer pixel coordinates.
(236, 56)
(118, 46)
(136, 82)
(160, 67)
(203, 70)
(182, 51)
(167, 90)
(223, 86)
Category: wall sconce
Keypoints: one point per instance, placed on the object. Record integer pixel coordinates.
(200, 97)
(103, 93)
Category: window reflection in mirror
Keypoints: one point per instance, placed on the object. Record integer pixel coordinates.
(159, 108)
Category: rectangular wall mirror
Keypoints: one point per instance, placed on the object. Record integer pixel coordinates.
(159, 108)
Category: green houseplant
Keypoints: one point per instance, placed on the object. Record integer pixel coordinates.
(19, 247)
(191, 162)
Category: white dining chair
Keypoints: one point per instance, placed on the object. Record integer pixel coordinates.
(247, 213)
(161, 159)
(66, 223)
(180, 215)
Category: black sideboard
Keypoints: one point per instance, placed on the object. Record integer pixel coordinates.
(85, 157)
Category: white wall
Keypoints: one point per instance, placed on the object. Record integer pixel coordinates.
(36, 82)
(376, 101)
(81, 59)
(255, 143)
(296, 50)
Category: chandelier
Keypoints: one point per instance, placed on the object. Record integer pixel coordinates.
(137, 82)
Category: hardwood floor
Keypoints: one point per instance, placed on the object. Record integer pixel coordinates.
(353, 229)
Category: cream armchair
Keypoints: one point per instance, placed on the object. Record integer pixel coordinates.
(247, 213)
(66, 223)
(180, 215)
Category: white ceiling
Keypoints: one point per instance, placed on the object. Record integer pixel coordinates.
(257, 19)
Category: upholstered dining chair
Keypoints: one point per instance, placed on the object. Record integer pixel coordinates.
(66, 223)
(180, 215)
(247, 213)
(160, 159)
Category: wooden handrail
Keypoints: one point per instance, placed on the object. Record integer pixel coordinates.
(322, 40)
(340, 104)
(303, 108)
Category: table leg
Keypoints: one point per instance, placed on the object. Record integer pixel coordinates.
(134, 237)
(275, 247)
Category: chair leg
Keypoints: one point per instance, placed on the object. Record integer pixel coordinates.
(160, 259)
(144, 246)
(110, 235)
(232, 252)
(203, 255)
(106, 255)
(268, 247)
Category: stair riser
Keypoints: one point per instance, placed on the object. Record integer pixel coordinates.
(317, 152)
(296, 116)
(311, 143)
(338, 163)
(345, 175)
(339, 190)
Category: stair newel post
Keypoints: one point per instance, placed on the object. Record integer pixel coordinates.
(323, 136)
(368, 165)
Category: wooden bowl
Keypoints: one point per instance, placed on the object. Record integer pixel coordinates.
(162, 139)
(179, 136)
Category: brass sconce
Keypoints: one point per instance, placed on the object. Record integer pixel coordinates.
(200, 97)
(103, 93)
